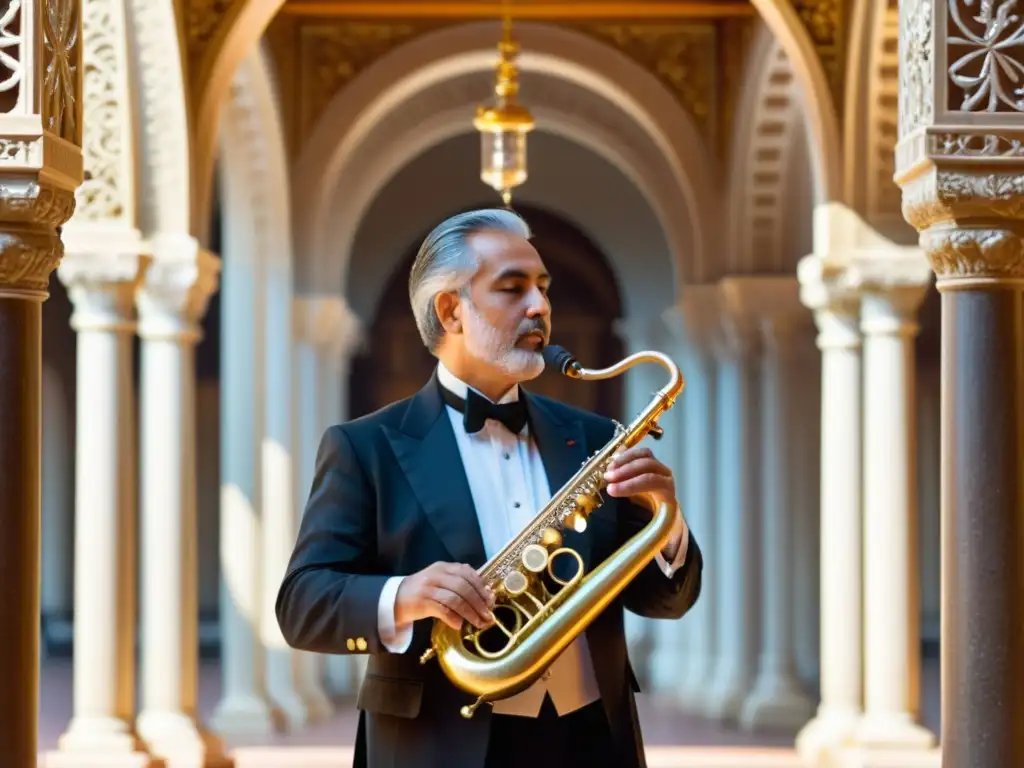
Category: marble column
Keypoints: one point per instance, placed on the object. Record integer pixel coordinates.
(40, 131)
(171, 302)
(777, 700)
(836, 307)
(101, 285)
(737, 536)
(244, 707)
(892, 290)
(962, 173)
(328, 334)
(699, 320)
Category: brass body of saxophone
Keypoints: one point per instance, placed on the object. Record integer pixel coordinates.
(545, 623)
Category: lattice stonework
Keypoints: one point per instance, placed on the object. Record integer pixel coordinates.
(823, 21)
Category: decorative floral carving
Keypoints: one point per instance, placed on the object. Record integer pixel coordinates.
(683, 56)
(30, 252)
(101, 196)
(60, 37)
(916, 82)
(164, 148)
(971, 253)
(995, 37)
(964, 144)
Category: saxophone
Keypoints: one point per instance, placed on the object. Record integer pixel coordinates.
(545, 620)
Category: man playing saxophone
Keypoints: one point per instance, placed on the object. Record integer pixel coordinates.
(408, 502)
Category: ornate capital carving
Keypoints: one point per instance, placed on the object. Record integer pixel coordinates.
(102, 288)
(176, 289)
(329, 324)
(960, 160)
(30, 248)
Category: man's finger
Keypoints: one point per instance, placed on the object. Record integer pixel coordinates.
(629, 454)
(641, 484)
(471, 605)
(637, 467)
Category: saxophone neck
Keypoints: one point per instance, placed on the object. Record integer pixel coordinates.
(569, 366)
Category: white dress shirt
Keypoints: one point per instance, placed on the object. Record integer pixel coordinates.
(501, 465)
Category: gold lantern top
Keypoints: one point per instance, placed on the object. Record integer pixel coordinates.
(504, 124)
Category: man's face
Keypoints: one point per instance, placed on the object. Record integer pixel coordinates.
(507, 317)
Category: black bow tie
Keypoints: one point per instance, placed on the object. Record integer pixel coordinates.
(476, 409)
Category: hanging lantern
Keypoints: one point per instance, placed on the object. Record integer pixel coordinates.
(503, 125)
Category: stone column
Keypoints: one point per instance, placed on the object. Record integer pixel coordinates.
(961, 169)
(737, 542)
(893, 288)
(244, 707)
(699, 320)
(102, 285)
(836, 306)
(777, 701)
(171, 303)
(328, 334)
(40, 168)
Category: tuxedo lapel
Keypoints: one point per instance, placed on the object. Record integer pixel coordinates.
(563, 449)
(428, 454)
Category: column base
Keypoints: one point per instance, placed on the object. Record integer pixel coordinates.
(830, 729)
(725, 702)
(317, 706)
(775, 704)
(109, 735)
(246, 715)
(860, 757)
(98, 759)
(180, 742)
(892, 731)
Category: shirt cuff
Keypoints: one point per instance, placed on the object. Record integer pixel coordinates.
(395, 639)
(680, 532)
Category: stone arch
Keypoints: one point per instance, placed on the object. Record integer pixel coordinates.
(254, 166)
(411, 99)
(571, 181)
(164, 144)
(816, 98)
(871, 127)
(767, 130)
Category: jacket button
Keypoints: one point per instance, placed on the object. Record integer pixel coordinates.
(361, 644)
(351, 644)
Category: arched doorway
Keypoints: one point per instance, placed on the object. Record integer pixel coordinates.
(586, 304)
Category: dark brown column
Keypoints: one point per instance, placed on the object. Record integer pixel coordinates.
(20, 451)
(983, 525)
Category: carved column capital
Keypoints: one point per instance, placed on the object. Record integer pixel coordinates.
(960, 156)
(102, 288)
(328, 323)
(176, 289)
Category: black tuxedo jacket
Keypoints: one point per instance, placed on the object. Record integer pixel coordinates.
(390, 497)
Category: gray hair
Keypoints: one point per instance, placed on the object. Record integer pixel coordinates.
(445, 262)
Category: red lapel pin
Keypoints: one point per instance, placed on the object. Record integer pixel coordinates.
(570, 442)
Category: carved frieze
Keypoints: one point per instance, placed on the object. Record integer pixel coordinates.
(684, 56)
(332, 54)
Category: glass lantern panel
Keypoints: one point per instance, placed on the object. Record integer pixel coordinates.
(503, 159)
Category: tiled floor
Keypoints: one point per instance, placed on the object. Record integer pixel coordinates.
(674, 738)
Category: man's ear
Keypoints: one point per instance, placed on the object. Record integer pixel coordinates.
(449, 311)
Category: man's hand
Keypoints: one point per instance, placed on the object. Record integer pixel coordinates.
(447, 591)
(635, 472)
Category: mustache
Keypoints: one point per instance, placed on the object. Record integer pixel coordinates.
(537, 325)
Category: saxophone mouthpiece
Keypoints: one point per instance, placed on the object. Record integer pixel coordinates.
(558, 357)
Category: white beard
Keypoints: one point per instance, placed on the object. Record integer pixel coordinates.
(487, 343)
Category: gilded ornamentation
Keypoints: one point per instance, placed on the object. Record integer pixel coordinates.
(683, 56)
(821, 19)
(30, 248)
(332, 55)
(100, 196)
(60, 98)
(989, 74)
